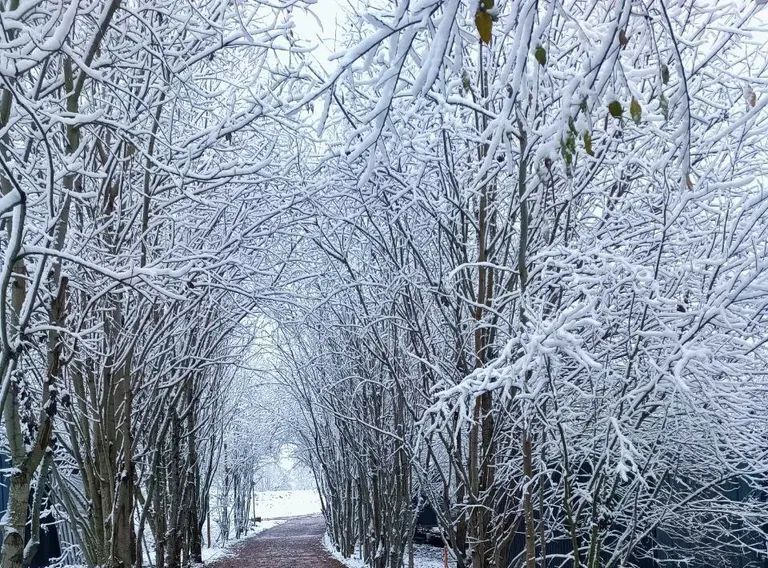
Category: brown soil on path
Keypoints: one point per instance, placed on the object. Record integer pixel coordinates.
(293, 544)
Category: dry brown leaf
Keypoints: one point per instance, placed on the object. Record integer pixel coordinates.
(484, 24)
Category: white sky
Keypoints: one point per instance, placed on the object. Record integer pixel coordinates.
(318, 27)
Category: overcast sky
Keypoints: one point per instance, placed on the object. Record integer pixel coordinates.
(319, 27)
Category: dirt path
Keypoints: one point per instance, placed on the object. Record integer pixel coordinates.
(294, 544)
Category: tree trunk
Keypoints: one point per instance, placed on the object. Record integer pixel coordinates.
(16, 519)
(123, 538)
(530, 528)
(173, 546)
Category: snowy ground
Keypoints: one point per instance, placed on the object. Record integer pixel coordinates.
(423, 557)
(280, 504)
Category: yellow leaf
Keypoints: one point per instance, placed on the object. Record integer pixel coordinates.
(484, 24)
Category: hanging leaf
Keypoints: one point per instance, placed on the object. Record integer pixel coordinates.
(484, 24)
(541, 55)
(623, 39)
(466, 84)
(750, 96)
(664, 106)
(615, 108)
(635, 110)
(588, 143)
(664, 74)
(570, 141)
(568, 150)
(567, 158)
